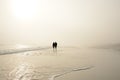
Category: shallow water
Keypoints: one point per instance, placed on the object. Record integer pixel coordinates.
(66, 63)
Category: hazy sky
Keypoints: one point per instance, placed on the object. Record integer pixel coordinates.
(69, 22)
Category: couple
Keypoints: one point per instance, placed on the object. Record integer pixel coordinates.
(54, 45)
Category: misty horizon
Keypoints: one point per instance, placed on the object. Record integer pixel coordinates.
(69, 22)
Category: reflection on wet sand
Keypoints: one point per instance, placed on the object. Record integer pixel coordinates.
(39, 65)
(65, 63)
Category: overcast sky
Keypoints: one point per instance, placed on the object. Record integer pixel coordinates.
(69, 22)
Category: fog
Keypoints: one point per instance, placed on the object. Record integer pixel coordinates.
(69, 22)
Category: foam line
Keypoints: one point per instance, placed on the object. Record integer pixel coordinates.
(73, 70)
(12, 51)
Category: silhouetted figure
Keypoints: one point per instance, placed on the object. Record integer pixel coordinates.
(54, 45)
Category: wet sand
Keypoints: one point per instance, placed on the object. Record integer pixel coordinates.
(63, 64)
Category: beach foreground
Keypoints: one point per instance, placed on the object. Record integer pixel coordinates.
(66, 63)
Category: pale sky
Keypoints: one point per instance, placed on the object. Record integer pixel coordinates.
(69, 22)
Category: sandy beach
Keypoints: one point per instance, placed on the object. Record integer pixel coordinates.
(86, 34)
(67, 63)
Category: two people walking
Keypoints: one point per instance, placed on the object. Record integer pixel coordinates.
(54, 45)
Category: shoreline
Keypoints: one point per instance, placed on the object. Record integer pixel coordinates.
(70, 71)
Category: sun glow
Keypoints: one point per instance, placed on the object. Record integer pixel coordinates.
(24, 8)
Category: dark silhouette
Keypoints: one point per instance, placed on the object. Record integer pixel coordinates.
(54, 45)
